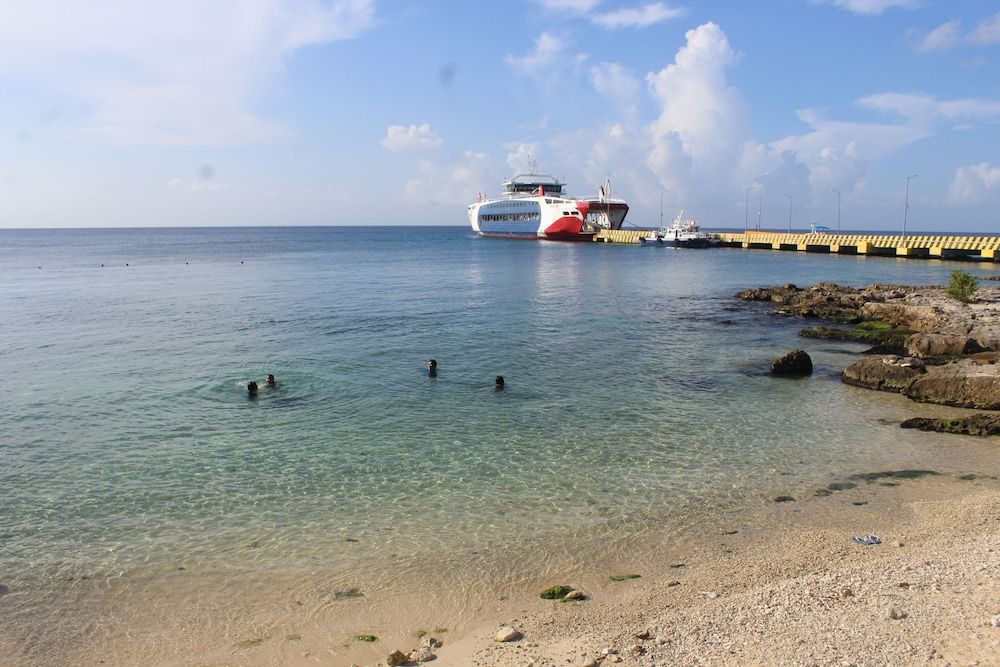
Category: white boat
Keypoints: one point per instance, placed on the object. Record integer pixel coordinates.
(680, 234)
(533, 206)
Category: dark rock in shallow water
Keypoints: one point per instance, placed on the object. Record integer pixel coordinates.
(783, 499)
(981, 424)
(796, 363)
(895, 474)
(557, 592)
(883, 372)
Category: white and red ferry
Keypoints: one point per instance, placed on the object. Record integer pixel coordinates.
(533, 206)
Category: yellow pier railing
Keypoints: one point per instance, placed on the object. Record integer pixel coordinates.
(984, 248)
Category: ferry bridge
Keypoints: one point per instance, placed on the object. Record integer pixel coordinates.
(980, 248)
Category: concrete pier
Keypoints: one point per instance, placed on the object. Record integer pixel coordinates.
(977, 248)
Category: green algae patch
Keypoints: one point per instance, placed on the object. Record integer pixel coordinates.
(249, 643)
(292, 638)
(873, 325)
(440, 629)
(623, 577)
(419, 634)
(366, 638)
(557, 592)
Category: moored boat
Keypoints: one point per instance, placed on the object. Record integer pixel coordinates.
(533, 206)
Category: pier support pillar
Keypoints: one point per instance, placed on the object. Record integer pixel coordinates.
(936, 251)
(801, 247)
(775, 246)
(835, 248)
(990, 254)
(864, 248)
(904, 251)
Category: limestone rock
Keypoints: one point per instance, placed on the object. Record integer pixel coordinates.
(395, 659)
(886, 372)
(575, 595)
(421, 655)
(924, 345)
(507, 634)
(796, 363)
(966, 384)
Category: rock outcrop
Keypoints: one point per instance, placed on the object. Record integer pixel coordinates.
(887, 372)
(928, 345)
(967, 383)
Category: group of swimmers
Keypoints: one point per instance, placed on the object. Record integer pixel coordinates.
(252, 388)
(432, 371)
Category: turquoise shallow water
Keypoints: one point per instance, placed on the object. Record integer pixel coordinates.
(636, 396)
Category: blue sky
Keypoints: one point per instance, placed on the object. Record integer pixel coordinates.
(275, 112)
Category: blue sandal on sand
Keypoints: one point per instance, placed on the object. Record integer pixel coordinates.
(871, 539)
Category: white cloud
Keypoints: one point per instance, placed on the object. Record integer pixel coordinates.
(949, 35)
(975, 182)
(576, 6)
(399, 138)
(616, 82)
(181, 72)
(521, 159)
(941, 38)
(456, 180)
(987, 32)
(927, 109)
(637, 17)
(701, 114)
(869, 7)
(547, 48)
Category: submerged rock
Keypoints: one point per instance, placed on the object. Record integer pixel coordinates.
(981, 424)
(557, 592)
(883, 372)
(796, 363)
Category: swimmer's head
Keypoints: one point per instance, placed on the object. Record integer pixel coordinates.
(252, 388)
(499, 382)
(270, 380)
(432, 364)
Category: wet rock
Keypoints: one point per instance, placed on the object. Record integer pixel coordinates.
(557, 592)
(4, 589)
(883, 372)
(395, 659)
(626, 577)
(507, 634)
(925, 345)
(783, 499)
(575, 595)
(965, 384)
(980, 424)
(431, 642)
(796, 363)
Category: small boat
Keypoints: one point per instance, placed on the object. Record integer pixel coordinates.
(684, 234)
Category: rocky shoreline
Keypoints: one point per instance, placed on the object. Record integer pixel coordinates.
(926, 345)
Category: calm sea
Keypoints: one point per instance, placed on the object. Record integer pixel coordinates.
(636, 397)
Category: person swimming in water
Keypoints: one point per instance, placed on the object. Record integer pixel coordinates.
(432, 368)
(271, 384)
(499, 384)
(251, 389)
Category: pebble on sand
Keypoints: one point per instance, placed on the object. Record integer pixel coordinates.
(895, 613)
(396, 658)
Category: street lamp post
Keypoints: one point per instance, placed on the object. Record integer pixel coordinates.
(760, 205)
(838, 207)
(789, 212)
(906, 205)
(746, 214)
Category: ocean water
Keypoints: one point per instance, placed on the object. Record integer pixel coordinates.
(636, 400)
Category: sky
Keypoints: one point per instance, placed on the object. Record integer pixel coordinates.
(115, 113)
